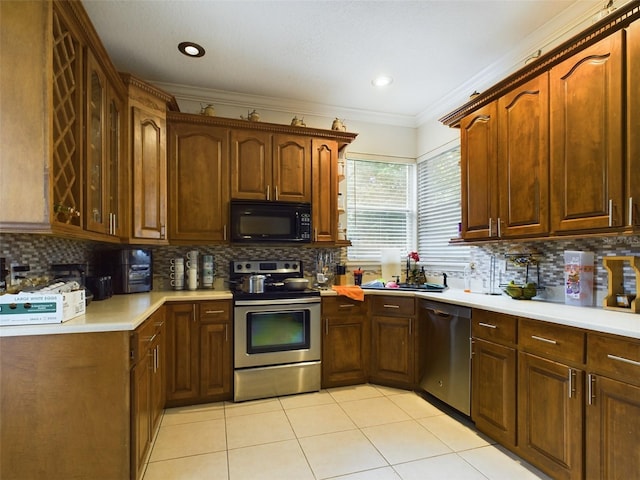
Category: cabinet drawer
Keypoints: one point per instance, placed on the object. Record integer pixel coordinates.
(145, 334)
(216, 311)
(392, 305)
(552, 341)
(495, 327)
(615, 357)
(343, 305)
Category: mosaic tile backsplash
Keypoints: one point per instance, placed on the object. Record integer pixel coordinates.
(39, 251)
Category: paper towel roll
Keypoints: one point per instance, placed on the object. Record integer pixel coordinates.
(390, 263)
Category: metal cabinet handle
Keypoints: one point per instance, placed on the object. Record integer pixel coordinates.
(542, 339)
(276, 192)
(268, 192)
(622, 359)
(346, 305)
(226, 330)
(572, 375)
(211, 312)
(151, 339)
(631, 211)
(499, 228)
(390, 306)
(591, 381)
(162, 231)
(491, 227)
(611, 212)
(193, 312)
(224, 232)
(410, 326)
(487, 325)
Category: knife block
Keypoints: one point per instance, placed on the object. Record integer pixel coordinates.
(615, 269)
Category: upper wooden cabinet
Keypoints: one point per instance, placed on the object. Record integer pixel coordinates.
(198, 180)
(479, 137)
(324, 165)
(147, 150)
(523, 166)
(551, 160)
(587, 132)
(63, 144)
(632, 217)
(270, 167)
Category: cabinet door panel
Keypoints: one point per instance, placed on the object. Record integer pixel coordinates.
(182, 352)
(523, 159)
(149, 176)
(325, 191)
(343, 352)
(549, 417)
(291, 168)
(141, 412)
(494, 391)
(199, 187)
(613, 423)
(215, 359)
(250, 165)
(392, 350)
(586, 138)
(479, 172)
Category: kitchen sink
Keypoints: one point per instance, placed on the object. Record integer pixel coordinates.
(424, 287)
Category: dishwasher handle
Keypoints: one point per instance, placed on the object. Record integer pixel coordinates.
(445, 309)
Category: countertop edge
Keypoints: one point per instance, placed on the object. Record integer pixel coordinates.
(127, 312)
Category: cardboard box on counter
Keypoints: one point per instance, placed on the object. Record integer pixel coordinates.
(39, 308)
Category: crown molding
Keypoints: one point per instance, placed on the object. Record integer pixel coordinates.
(282, 105)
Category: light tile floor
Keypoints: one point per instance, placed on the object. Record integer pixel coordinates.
(365, 432)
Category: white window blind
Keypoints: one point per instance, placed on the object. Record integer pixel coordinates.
(439, 210)
(380, 207)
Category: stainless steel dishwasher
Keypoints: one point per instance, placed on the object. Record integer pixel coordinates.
(447, 359)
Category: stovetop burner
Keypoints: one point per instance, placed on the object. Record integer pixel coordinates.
(276, 271)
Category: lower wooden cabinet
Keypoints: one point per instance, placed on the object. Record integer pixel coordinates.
(613, 407)
(147, 387)
(550, 416)
(393, 338)
(493, 372)
(493, 398)
(345, 342)
(199, 352)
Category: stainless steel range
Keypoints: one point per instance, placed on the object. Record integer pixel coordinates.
(277, 330)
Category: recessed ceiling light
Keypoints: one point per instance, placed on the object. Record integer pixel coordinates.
(382, 81)
(191, 49)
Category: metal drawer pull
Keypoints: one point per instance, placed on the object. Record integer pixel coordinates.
(488, 325)
(391, 306)
(346, 305)
(211, 312)
(151, 339)
(542, 339)
(625, 360)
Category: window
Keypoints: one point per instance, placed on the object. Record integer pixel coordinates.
(380, 207)
(439, 210)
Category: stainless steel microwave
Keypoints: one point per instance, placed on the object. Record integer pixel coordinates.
(269, 221)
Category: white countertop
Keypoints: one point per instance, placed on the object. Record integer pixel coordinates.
(126, 312)
(118, 313)
(590, 318)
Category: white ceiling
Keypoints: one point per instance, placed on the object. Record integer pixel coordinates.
(320, 52)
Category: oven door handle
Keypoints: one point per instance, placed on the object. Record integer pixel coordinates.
(278, 301)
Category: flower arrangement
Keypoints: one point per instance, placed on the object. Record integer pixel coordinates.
(414, 276)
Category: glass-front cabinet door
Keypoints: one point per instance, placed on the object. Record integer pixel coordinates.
(103, 152)
(95, 148)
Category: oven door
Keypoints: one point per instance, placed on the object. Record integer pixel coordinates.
(276, 332)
